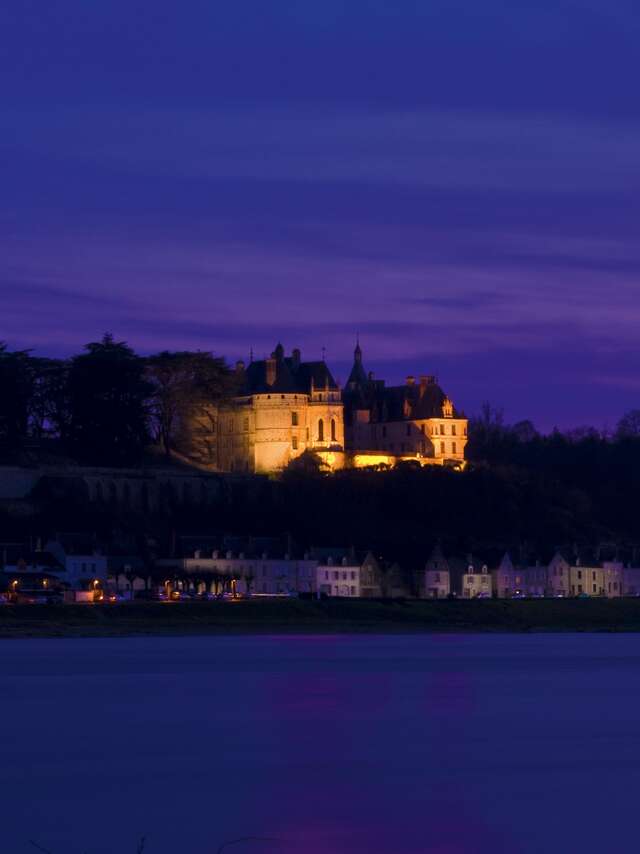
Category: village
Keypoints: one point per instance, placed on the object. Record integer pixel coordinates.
(70, 569)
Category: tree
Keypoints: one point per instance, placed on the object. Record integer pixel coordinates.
(524, 431)
(107, 395)
(629, 425)
(184, 387)
(49, 404)
(309, 463)
(16, 391)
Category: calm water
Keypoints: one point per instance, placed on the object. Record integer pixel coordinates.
(444, 744)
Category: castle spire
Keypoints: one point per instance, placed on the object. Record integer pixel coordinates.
(357, 377)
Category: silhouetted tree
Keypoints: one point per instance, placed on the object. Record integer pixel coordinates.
(629, 425)
(49, 403)
(107, 396)
(16, 391)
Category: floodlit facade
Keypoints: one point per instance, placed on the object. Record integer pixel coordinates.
(284, 407)
(415, 421)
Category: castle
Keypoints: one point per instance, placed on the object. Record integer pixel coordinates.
(283, 407)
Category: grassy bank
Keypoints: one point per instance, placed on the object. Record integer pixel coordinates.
(328, 616)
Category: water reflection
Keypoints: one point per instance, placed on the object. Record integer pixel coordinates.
(444, 744)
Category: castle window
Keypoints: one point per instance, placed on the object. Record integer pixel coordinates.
(333, 430)
(321, 430)
(294, 443)
(294, 419)
(464, 431)
(453, 448)
(453, 429)
(442, 447)
(245, 424)
(442, 429)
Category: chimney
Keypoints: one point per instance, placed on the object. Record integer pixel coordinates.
(270, 365)
(295, 356)
(410, 380)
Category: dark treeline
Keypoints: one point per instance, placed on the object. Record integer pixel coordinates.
(105, 406)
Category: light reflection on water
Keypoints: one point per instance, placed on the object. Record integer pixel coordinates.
(452, 744)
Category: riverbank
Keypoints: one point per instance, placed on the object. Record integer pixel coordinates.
(319, 617)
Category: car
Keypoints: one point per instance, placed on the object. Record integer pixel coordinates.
(207, 596)
(151, 595)
(113, 598)
(180, 596)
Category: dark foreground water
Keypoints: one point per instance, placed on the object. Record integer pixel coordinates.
(444, 744)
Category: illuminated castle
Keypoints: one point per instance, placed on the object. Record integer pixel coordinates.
(284, 406)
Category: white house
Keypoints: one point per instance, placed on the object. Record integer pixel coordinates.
(341, 579)
(82, 563)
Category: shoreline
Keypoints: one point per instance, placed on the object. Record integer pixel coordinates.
(328, 617)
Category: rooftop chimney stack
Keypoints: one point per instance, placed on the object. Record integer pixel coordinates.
(295, 356)
(270, 365)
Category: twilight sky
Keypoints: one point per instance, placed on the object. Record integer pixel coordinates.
(456, 181)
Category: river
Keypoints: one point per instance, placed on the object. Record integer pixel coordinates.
(452, 744)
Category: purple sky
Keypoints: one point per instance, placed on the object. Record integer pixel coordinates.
(457, 182)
